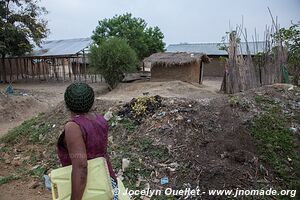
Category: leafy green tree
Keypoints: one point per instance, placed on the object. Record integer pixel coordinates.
(20, 27)
(144, 40)
(113, 58)
(291, 39)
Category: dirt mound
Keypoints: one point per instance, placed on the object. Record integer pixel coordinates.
(207, 143)
(16, 108)
(30, 99)
(212, 143)
(192, 144)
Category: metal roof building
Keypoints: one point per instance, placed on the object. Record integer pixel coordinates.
(62, 48)
(213, 49)
(56, 59)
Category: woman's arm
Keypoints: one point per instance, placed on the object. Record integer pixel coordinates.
(77, 152)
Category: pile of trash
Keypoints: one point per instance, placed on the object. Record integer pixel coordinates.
(182, 143)
(139, 107)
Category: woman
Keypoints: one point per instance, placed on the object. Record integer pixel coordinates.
(84, 137)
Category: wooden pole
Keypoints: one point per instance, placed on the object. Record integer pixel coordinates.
(17, 64)
(54, 68)
(4, 69)
(43, 66)
(22, 68)
(48, 69)
(39, 68)
(78, 67)
(32, 69)
(69, 61)
(26, 70)
(10, 68)
(63, 66)
(201, 72)
(84, 63)
(74, 70)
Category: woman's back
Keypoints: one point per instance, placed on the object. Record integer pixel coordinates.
(94, 130)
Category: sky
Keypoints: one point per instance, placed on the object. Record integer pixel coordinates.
(181, 21)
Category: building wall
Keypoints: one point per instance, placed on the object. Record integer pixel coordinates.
(214, 68)
(188, 73)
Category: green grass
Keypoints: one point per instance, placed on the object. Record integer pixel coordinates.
(276, 144)
(128, 125)
(4, 149)
(139, 151)
(131, 173)
(156, 152)
(259, 99)
(7, 179)
(236, 101)
(268, 103)
(30, 129)
(37, 172)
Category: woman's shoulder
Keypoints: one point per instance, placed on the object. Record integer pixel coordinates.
(71, 125)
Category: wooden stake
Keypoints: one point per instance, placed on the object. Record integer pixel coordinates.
(10, 67)
(32, 70)
(43, 66)
(39, 68)
(26, 70)
(63, 65)
(84, 63)
(17, 64)
(22, 68)
(78, 67)
(69, 61)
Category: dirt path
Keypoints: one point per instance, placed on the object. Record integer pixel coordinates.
(20, 190)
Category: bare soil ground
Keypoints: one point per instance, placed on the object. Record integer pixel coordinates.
(30, 99)
(126, 91)
(19, 190)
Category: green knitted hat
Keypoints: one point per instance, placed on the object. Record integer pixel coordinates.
(79, 97)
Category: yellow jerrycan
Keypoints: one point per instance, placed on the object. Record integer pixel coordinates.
(98, 184)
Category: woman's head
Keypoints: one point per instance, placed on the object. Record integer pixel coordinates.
(79, 98)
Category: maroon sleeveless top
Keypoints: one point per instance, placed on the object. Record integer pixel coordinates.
(95, 136)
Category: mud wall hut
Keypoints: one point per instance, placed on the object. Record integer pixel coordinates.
(176, 66)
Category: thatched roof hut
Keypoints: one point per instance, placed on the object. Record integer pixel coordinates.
(178, 59)
(176, 66)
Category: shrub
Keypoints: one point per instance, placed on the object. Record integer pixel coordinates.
(113, 59)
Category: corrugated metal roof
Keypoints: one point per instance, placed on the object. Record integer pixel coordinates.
(213, 48)
(61, 47)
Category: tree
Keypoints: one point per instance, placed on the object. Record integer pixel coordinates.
(144, 40)
(21, 27)
(291, 39)
(113, 59)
